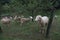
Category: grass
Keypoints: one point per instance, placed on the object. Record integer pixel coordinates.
(16, 32)
(29, 31)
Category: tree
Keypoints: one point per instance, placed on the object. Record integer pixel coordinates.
(52, 10)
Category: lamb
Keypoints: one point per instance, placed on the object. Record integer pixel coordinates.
(43, 21)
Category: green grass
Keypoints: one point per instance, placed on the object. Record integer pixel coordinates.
(29, 31)
(16, 32)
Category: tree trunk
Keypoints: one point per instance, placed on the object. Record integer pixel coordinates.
(50, 21)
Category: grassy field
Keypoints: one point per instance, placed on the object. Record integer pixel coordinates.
(29, 31)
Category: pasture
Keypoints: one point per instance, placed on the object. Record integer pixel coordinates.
(29, 31)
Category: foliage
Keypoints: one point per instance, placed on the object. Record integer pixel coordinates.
(27, 7)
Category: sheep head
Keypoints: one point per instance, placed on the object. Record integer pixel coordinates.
(38, 17)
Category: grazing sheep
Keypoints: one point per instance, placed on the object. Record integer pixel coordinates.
(43, 21)
(55, 16)
(11, 18)
(23, 20)
(54, 19)
(17, 18)
(5, 20)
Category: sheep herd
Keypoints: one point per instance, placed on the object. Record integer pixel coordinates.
(41, 20)
(21, 19)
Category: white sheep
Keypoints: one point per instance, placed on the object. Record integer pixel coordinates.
(56, 16)
(43, 21)
(23, 20)
(54, 19)
(5, 20)
(37, 17)
(15, 17)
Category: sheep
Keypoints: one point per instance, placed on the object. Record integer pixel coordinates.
(43, 21)
(56, 16)
(23, 20)
(37, 17)
(54, 19)
(20, 18)
(5, 20)
(15, 18)
(11, 17)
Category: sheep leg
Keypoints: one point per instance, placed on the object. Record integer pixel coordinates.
(42, 29)
(21, 23)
